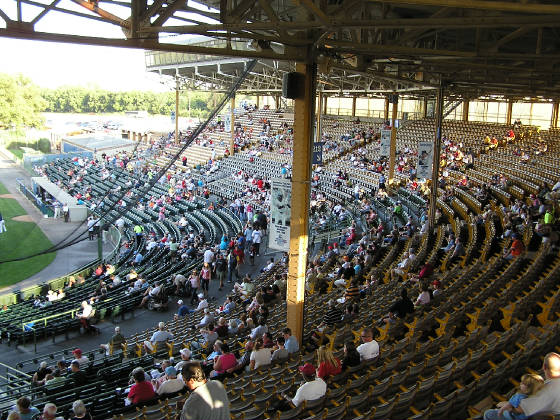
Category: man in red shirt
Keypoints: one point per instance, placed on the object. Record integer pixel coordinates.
(142, 390)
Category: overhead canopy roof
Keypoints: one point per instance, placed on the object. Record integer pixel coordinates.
(55, 191)
(475, 47)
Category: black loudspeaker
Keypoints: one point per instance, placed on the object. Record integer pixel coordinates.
(292, 85)
(393, 99)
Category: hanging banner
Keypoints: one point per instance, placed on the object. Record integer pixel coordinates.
(385, 143)
(318, 153)
(424, 167)
(280, 213)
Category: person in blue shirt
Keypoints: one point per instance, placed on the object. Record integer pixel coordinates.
(291, 343)
(183, 309)
(530, 384)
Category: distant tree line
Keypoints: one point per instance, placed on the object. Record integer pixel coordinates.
(20, 102)
(95, 100)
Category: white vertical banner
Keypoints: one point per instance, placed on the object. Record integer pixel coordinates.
(385, 143)
(280, 213)
(425, 158)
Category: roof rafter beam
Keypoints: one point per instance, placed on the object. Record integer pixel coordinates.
(426, 23)
(67, 11)
(314, 10)
(109, 17)
(44, 12)
(4, 16)
(241, 9)
(150, 44)
(503, 6)
(168, 12)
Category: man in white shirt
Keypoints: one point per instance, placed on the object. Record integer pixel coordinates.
(403, 265)
(82, 360)
(369, 349)
(545, 401)
(208, 256)
(312, 388)
(202, 303)
(160, 336)
(257, 238)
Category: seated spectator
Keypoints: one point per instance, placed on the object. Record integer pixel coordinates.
(170, 384)
(260, 356)
(328, 364)
(351, 355)
(77, 375)
(25, 409)
(222, 328)
(312, 388)
(545, 401)
(208, 318)
(530, 384)
(115, 343)
(185, 355)
(209, 336)
(42, 372)
(369, 349)
(223, 362)
(245, 359)
(141, 391)
(280, 353)
(160, 336)
(291, 342)
(258, 331)
(49, 412)
(516, 249)
(424, 296)
(80, 411)
(333, 314)
(400, 308)
(268, 342)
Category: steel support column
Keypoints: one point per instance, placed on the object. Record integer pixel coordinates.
(177, 83)
(393, 149)
(554, 119)
(353, 106)
(232, 119)
(509, 111)
(301, 183)
(425, 107)
(325, 105)
(386, 109)
(319, 120)
(466, 110)
(258, 101)
(436, 158)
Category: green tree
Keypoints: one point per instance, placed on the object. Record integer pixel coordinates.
(20, 102)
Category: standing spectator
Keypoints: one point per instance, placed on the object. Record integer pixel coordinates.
(195, 284)
(2, 224)
(205, 276)
(220, 268)
(257, 238)
(66, 212)
(208, 399)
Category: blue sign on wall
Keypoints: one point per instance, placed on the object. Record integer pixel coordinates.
(318, 153)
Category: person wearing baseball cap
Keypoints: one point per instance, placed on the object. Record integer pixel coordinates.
(185, 357)
(172, 383)
(183, 309)
(313, 387)
(82, 360)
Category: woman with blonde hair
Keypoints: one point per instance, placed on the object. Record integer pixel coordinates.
(328, 364)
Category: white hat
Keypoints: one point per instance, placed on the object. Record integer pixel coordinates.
(200, 295)
(186, 353)
(180, 302)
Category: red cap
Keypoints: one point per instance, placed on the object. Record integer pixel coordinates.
(77, 352)
(436, 283)
(307, 369)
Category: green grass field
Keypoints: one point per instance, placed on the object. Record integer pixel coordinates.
(21, 239)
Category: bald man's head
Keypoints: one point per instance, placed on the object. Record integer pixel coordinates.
(551, 365)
